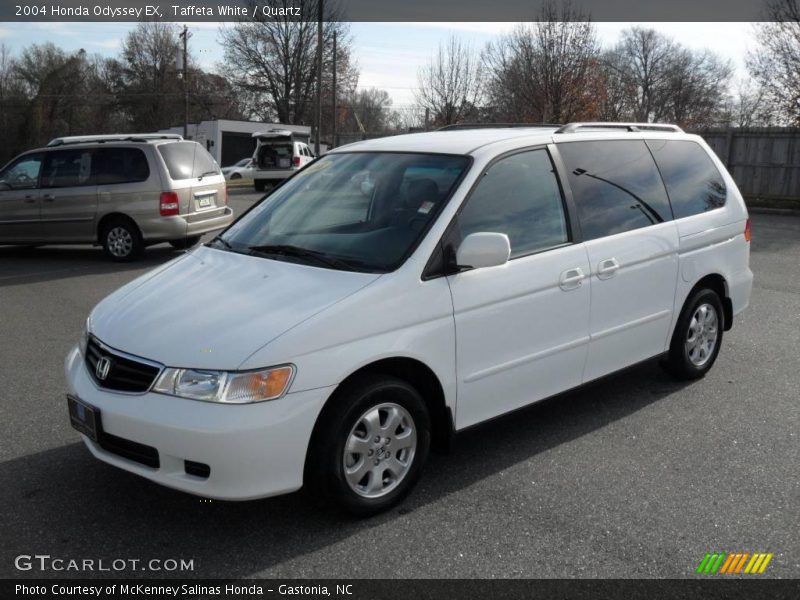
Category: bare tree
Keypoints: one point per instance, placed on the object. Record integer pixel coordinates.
(644, 66)
(545, 71)
(695, 90)
(149, 89)
(775, 64)
(650, 77)
(272, 62)
(367, 110)
(450, 85)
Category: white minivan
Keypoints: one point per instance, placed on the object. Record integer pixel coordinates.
(399, 290)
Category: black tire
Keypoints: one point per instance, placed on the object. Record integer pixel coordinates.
(325, 469)
(121, 240)
(260, 184)
(185, 243)
(685, 363)
(236, 176)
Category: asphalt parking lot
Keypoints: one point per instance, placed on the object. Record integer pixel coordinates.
(635, 476)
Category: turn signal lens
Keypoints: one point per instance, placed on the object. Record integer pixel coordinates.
(747, 231)
(259, 386)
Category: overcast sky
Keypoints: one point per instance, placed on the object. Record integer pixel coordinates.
(389, 54)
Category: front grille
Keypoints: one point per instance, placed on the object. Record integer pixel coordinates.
(145, 455)
(124, 374)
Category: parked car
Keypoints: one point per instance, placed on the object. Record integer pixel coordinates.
(123, 192)
(241, 170)
(403, 289)
(279, 154)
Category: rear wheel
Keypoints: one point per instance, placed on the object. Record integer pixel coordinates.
(374, 442)
(121, 240)
(697, 337)
(185, 243)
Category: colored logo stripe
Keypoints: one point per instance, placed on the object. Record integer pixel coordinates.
(734, 563)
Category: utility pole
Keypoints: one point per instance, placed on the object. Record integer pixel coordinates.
(333, 135)
(319, 77)
(185, 70)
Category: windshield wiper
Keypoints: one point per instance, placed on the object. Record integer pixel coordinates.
(222, 241)
(303, 253)
(200, 177)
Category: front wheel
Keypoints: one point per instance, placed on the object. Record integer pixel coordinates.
(372, 444)
(697, 337)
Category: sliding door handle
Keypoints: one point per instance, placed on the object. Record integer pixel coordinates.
(571, 279)
(607, 268)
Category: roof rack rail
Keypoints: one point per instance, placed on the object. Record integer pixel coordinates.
(573, 127)
(122, 137)
(458, 126)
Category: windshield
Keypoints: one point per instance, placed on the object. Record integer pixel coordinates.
(356, 211)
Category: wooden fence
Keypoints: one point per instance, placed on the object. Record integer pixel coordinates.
(764, 162)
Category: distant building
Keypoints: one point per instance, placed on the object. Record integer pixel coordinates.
(230, 141)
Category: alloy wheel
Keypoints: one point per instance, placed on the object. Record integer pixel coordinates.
(379, 450)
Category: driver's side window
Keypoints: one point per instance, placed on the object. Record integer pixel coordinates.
(22, 174)
(519, 195)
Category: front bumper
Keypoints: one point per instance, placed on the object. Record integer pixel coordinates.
(253, 450)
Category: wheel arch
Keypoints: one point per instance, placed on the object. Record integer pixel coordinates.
(417, 374)
(112, 216)
(717, 283)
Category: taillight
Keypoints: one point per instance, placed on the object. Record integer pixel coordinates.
(747, 231)
(168, 204)
(296, 161)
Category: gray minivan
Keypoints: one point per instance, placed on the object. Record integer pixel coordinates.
(122, 192)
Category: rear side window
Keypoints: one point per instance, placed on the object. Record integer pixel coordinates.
(693, 182)
(119, 165)
(67, 168)
(519, 195)
(186, 160)
(616, 186)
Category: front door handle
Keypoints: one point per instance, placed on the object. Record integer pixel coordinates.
(48, 197)
(571, 279)
(607, 268)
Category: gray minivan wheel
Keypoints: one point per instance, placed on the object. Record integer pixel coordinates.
(121, 240)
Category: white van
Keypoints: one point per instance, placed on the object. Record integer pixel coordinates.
(279, 154)
(402, 289)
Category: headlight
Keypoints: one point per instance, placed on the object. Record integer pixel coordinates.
(84, 338)
(226, 387)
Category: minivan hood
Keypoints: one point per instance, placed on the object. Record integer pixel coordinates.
(212, 309)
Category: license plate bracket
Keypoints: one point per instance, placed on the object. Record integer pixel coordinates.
(83, 417)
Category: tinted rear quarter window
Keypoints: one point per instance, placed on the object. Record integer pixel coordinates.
(186, 160)
(693, 182)
(616, 186)
(119, 165)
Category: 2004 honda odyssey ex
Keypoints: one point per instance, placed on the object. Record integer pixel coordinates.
(398, 290)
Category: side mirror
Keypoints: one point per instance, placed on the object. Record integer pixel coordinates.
(485, 249)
